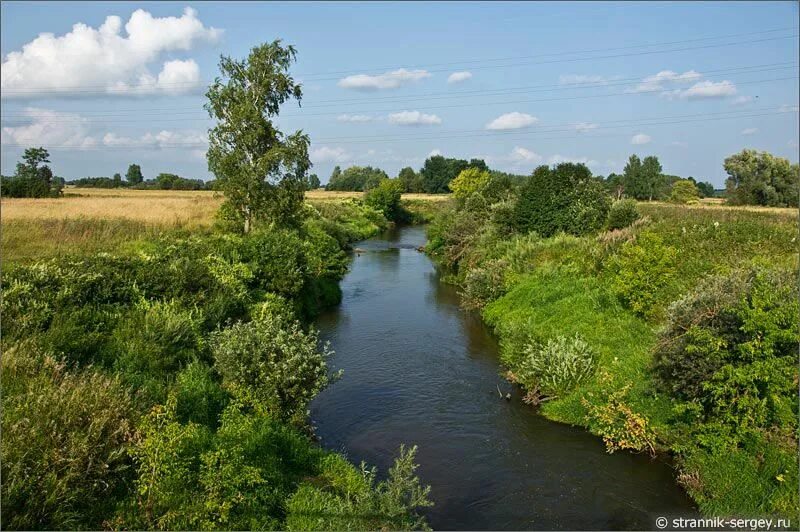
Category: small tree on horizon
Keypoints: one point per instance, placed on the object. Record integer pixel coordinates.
(134, 174)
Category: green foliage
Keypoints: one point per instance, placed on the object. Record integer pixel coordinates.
(356, 178)
(642, 271)
(619, 425)
(199, 396)
(439, 171)
(134, 174)
(32, 179)
(565, 198)
(411, 181)
(65, 436)
(313, 182)
(342, 498)
(470, 181)
(622, 214)
(760, 178)
(642, 180)
(385, 197)
(273, 363)
(684, 191)
(555, 367)
(261, 171)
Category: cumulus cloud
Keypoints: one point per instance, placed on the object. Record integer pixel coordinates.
(326, 154)
(162, 139)
(435, 152)
(665, 78)
(750, 131)
(786, 108)
(640, 138)
(387, 80)
(458, 77)
(524, 156)
(704, 90)
(354, 118)
(513, 120)
(91, 60)
(556, 159)
(48, 127)
(583, 127)
(742, 100)
(413, 118)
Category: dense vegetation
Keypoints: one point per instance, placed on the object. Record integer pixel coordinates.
(166, 385)
(658, 327)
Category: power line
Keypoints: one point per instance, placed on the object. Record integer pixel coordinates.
(146, 90)
(109, 119)
(487, 134)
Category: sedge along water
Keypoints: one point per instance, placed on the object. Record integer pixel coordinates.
(421, 371)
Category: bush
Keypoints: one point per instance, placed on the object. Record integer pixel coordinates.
(470, 181)
(65, 436)
(731, 347)
(343, 498)
(385, 197)
(684, 191)
(642, 272)
(619, 425)
(622, 214)
(273, 363)
(555, 367)
(565, 198)
(199, 396)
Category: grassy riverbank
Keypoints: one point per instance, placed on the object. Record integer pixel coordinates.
(177, 362)
(724, 401)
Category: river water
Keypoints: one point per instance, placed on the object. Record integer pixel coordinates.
(419, 370)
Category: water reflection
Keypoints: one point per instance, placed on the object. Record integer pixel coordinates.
(419, 370)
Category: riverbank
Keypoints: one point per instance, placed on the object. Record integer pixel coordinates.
(627, 294)
(177, 366)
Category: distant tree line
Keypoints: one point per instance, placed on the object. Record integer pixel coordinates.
(135, 179)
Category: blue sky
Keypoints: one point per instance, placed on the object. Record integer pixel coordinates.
(518, 84)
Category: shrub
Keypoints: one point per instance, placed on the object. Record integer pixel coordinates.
(65, 436)
(344, 498)
(619, 425)
(622, 214)
(482, 285)
(684, 191)
(642, 272)
(470, 181)
(731, 346)
(385, 197)
(199, 396)
(557, 366)
(273, 363)
(565, 198)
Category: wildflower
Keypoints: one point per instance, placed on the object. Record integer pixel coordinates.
(716, 225)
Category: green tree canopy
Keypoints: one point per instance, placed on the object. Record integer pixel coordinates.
(565, 198)
(33, 177)
(411, 180)
(356, 178)
(684, 191)
(760, 178)
(642, 179)
(438, 171)
(134, 174)
(261, 171)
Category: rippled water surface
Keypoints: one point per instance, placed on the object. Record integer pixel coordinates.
(419, 370)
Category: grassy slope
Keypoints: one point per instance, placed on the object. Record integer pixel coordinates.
(565, 295)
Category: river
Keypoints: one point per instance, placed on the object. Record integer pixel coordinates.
(419, 370)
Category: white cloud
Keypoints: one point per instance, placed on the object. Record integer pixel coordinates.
(513, 120)
(413, 118)
(583, 127)
(162, 139)
(786, 108)
(750, 131)
(523, 155)
(354, 118)
(326, 154)
(435, 152)
(742, 100)
(48, 127)
(388, 80)
(664, 78)
(458, 77)
(640, 138)
(89, 60)
(572, 79)
(704, 90)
